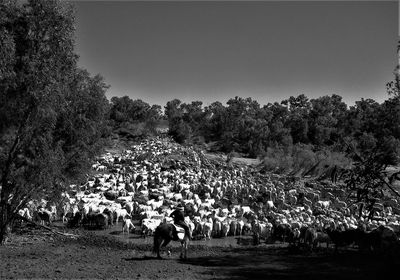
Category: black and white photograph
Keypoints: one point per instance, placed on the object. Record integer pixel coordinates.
(199, 139)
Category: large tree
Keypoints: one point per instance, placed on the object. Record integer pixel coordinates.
(51, 113)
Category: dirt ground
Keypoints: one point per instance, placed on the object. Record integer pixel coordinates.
(37, 254)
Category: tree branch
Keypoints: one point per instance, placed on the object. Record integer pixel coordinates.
(46, 227)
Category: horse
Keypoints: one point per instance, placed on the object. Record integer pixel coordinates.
(166, 232)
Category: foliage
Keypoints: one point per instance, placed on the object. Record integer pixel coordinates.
(185, 120)
(53, 114)
(367, 179)
(246, 127)
(135, 117)
(303, 160)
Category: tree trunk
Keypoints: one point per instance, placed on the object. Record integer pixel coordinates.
(4, 221)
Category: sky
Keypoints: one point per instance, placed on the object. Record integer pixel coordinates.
(211, 51)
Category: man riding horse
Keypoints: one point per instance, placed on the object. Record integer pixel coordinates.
(179, 219)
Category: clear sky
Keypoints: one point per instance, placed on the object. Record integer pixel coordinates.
(213, 51)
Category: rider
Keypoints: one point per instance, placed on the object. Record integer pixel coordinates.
(179, 219)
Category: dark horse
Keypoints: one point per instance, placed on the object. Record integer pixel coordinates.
(166, 232)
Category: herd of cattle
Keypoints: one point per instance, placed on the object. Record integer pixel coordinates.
(144, 184)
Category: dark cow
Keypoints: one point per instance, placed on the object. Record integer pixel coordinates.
(380, 239)
(75, 220)
(44, 216)
(281, 232)
(95, 221)
(310, 236)
(342, 238)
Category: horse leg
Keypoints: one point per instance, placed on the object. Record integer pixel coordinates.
(182, 250)
(166, 242)
(186, 247)
(157, 245)
(162, 243)
(158, 250)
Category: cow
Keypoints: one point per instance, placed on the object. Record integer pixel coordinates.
(127, 225)
(310, 236)
(207, 229)
(44, 216)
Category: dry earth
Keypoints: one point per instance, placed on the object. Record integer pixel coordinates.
(37, 254)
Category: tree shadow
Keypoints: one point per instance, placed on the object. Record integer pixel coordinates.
(255, 263)
(144, 258)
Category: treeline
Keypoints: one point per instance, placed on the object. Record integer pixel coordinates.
(134, 118)
(296, 125)
(244, 126)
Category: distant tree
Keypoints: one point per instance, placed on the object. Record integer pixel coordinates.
(121, 108)
(193, 114)
(155, 112)
(134, 117)
(239, 124)
(215, 121)
(139, 111)
(325, 117)
(52, 113)
(153, 117)
(179, 130)
(299, 108)
(393, 87)
(362, 118)
(279, 133)
(389, 117)
(172, 109)
(177, 127)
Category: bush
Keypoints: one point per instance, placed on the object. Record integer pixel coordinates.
(179, 130)
(276, 160)
(301, 159)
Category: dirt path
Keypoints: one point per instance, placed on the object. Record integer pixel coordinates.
(94, 256)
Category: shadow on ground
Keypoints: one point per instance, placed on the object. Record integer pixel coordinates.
(255, 263)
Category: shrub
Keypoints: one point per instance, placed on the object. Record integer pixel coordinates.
(301, 159)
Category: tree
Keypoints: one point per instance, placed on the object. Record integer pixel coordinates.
(367, 179)
(391, 107)
(178, 128)
(375, 133)
(82, 124)
(52, 113)
(239, 124)
(172, 109)
(134, 117)
(326, 115)
(139, 110)
(362, 118)
(153, 116)
(121, 108)
(298, 108)
(215, 120)
(279, 134)
(393, 87)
